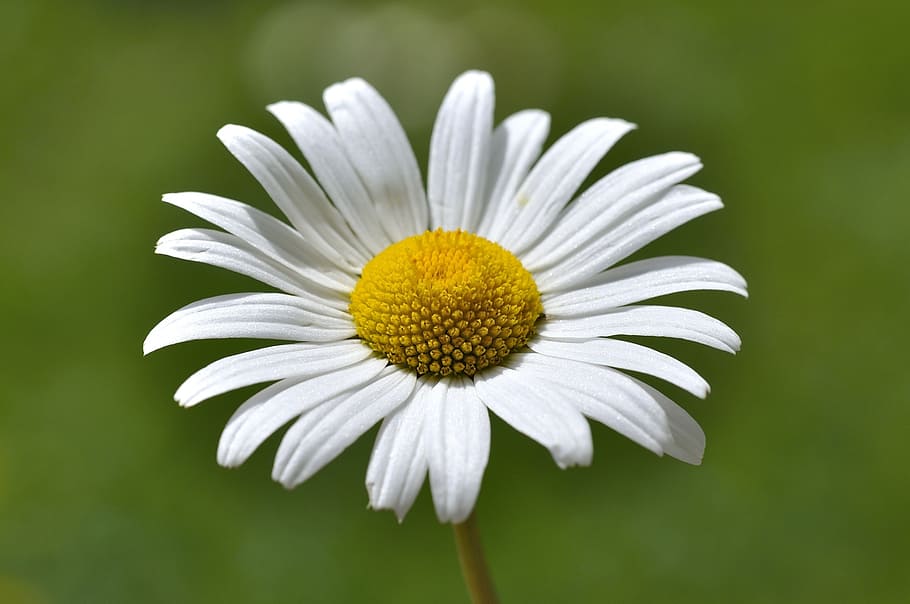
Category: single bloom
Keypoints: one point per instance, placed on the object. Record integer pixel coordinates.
(494, 289)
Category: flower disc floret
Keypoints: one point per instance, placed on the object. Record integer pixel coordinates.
(445, 302)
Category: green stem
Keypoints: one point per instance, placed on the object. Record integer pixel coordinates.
(473, 564)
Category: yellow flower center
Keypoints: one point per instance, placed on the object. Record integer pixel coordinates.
(445, 302)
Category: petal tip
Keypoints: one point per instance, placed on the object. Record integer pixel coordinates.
(344, 88)
(627, 125)
(457, 518)
(236, 137)
(694, 458)
(226, 458)
(284, 478)
(279, 106)
(286, 111)
(229, 132)
(476, 73)
(185, 398)
(474, 77)
(149, 344)
(610, 124)
(176, 198)
(684, 156)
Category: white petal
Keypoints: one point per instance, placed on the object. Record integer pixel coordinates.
(269, 235)
(613, 198)
(398, 463)
(259, 417)
(228, 251)
(298, 196)
(321, 434)
(643, 280)
(516, 145)
(459, 153)
(267, 316)
(322, 147)
(523, 401)
(688, 442)
(554, 180)
(625, 355)
(607, 396)
(678, 206)
(662, 321)
(299, 361)
(377, 146)
(458, 446)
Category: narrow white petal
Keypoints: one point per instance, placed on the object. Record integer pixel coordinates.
(257, 228)
(607, 396)
(299, 361)
(398, 463)
(295, 192)
(321, 434)
(260, 416)
(554, 180)
(523, 401)
(224, 250)
(625, 355)
(266, 316)
(688, 438)
(459, 153)
(269, 235)
(516, 145)
(458, 447)
(643, 280)
(613, 198)
(323, 149)
(678, 206)
(688, 442)
(380, 152)
(661, 321)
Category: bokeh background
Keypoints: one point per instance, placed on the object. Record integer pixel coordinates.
(801, 112)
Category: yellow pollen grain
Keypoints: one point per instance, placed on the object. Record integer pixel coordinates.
(445, 302)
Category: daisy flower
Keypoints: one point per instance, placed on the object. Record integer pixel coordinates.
(494, 289)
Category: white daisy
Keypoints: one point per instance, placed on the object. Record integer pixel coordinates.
(493, 289)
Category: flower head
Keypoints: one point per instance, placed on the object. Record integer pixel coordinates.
(495, 289)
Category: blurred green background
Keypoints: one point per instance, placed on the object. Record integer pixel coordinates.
(110, 493)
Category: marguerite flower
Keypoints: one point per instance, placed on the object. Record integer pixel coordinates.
(493, 289)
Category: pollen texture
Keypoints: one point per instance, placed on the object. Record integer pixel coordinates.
(445, 302)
